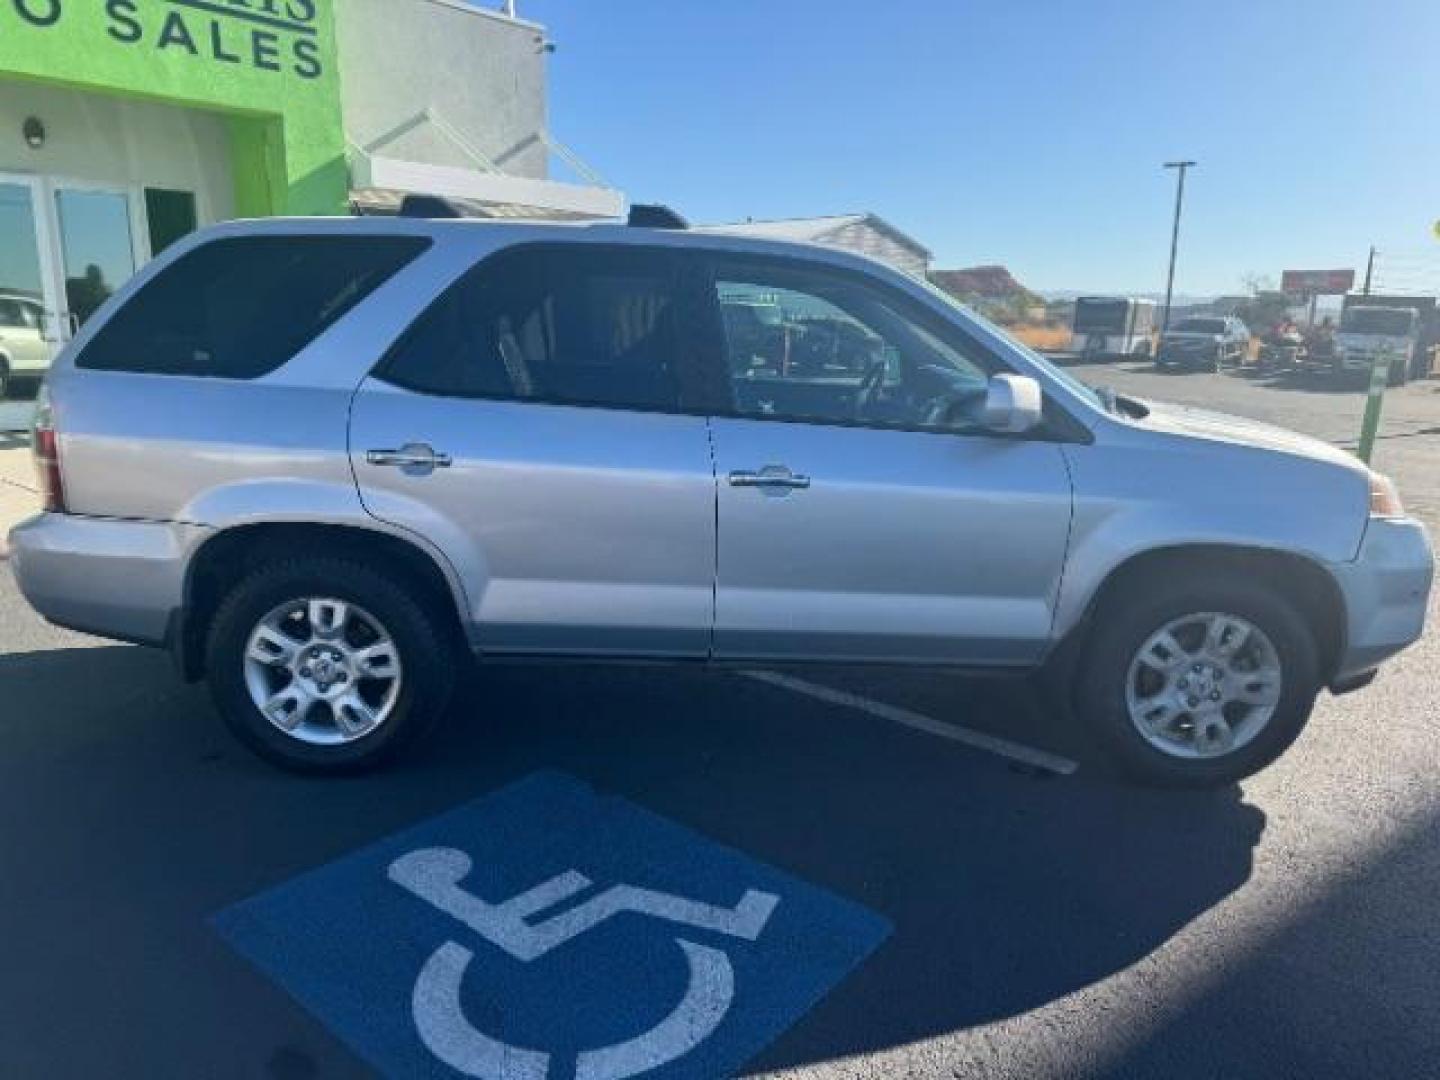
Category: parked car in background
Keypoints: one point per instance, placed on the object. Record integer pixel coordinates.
(325, 462)
(1204, 343)
(25, 349)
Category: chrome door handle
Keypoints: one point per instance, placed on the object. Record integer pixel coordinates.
(770, 477)
(410, 457)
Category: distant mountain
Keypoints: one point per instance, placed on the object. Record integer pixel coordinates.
(1180, 300)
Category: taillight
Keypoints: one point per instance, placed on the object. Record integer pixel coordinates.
(45, 443)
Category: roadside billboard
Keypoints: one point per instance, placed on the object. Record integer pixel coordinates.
(1317, 282)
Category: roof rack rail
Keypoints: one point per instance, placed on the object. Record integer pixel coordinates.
(654, 216)
(430, 206)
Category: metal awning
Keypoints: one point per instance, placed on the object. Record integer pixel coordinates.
(378, 181)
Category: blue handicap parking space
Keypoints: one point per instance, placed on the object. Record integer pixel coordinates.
(549, 931)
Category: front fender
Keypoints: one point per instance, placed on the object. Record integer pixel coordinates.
(1211, 496)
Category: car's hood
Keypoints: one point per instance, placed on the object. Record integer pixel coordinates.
(1221, 427)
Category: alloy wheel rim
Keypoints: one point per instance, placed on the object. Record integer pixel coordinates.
(1203, 686)
(323, 671)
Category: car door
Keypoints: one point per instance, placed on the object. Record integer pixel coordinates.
(531, 426)
(861, 516)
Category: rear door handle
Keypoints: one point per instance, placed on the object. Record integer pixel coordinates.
(413, 457)
(774, 477)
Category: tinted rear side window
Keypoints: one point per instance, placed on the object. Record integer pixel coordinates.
(243, 307)
(566, 325)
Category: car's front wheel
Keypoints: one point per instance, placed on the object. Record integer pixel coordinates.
(1198, 684)
(325, 665)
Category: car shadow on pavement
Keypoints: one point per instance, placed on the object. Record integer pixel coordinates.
(1006, 891)
(1311, 382)
(1346, 985)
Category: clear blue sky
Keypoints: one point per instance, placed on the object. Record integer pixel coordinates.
(1024, 132)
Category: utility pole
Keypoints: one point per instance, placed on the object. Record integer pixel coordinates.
(1180, 167)
(1369, 269)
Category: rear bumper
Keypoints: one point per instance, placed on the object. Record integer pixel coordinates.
(1387, 593)
(1366, 359)
(116, 579)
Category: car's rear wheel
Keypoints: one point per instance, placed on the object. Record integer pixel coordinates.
(1198, 684)
(325, 665)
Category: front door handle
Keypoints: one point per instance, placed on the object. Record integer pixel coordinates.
(412, 457)
(774, 477)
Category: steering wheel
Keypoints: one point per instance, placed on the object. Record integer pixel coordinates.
(869, 385)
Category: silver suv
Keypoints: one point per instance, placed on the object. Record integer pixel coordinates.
(323, 461)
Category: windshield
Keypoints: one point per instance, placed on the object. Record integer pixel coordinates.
(1106, 315)
(1391, 321)
(1199, 326)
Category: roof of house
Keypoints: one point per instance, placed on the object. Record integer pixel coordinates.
(816, 229)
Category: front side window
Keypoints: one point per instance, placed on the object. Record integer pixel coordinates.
(806, 344)
(565, 325)
(242, 307)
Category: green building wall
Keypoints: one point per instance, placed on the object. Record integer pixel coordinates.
(268, 65)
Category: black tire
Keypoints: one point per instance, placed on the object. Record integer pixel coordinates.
(1399, 373)
(427, 656)
(1124, 623)
(4, 379)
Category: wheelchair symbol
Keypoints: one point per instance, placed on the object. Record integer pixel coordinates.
(434, 875)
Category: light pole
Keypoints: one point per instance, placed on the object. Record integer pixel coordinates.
(1180, 167)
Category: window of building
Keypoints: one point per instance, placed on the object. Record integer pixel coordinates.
(242, 307)
(814, 345)
(171, 216)
(564, 325)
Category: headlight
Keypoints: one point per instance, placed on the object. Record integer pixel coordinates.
(1384, 498)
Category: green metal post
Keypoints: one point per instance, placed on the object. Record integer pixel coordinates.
(1379, 379)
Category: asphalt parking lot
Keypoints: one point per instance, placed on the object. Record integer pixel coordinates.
(978, 897)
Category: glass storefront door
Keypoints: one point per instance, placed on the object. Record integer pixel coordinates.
(65, 247)
(29, 322)
(98, 250)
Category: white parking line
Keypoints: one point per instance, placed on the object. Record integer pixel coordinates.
(1025, 755)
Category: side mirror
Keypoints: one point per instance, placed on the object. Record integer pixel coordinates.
(1013, 405)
